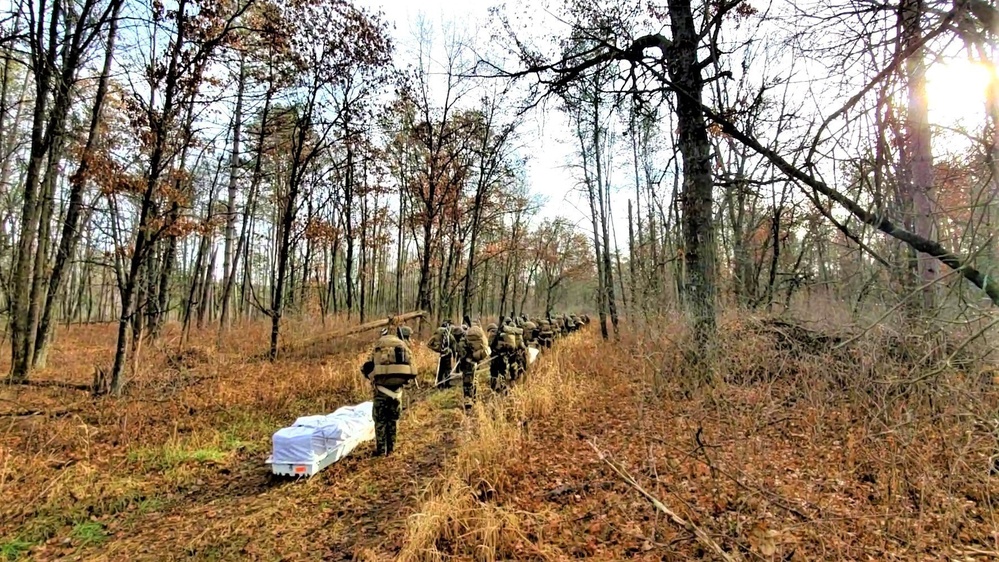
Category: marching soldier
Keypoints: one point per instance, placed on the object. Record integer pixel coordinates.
(389, 368)
(443, 342)
(472, 349)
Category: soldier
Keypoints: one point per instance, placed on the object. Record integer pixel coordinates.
(389, 369)
(405, 333)
(444, 343)
(530, 333)
(545, 334)
(491, 330)
(511, 355)
(472, 348)
(458, 332)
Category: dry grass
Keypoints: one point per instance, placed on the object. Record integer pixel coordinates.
(796, 452)
(196, 423)
(463, 514)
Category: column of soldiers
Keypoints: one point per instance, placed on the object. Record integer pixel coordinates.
(464, 350)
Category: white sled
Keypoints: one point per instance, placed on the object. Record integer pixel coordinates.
(532, 355)
(314, 442)
(309, 468)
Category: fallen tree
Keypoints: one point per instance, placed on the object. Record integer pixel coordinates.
(359, 329)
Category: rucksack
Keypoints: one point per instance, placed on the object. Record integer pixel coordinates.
(439, 340)
(392, 360)
(530, 331)
(477, 348)
(509, 339)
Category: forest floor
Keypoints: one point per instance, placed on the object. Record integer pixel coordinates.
(794, 453)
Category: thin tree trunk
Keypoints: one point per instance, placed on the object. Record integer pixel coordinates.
(231, 257)
(72, 227)
(917, 154)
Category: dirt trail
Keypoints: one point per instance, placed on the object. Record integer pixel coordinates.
(357, 507)
(177, 473)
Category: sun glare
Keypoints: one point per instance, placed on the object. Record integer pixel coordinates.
(956, 92)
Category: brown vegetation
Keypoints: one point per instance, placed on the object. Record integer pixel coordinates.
(795, 453)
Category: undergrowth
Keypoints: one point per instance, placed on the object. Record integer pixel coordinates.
(800, 442)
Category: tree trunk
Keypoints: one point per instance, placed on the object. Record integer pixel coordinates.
(21, 326)
(916, 155)
(230, 259)
(695, 148)
(72, 227)
(401, 252)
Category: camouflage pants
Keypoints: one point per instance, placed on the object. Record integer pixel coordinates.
(519, 365)
(386, 413)
(444, 370)
(468, 379)
(500, 373)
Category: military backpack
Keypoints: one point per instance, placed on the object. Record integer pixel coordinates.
(530, 331)
(509, 339)
(477, 347)
(392, 363)
(439, 341)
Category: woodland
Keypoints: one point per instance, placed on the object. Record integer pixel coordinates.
(780, 217)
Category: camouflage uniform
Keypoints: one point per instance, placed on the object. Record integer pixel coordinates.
(467, 368)
(467, 365)
(386, 413)
(545, 333)
(447, 347)
(507, 365)
(387, 398)
(530, 333)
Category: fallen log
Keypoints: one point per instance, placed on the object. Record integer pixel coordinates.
(368, 326)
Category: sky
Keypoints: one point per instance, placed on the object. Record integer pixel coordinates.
(956, 92)
(544, 135)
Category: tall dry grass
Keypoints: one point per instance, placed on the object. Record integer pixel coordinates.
(463, 513)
